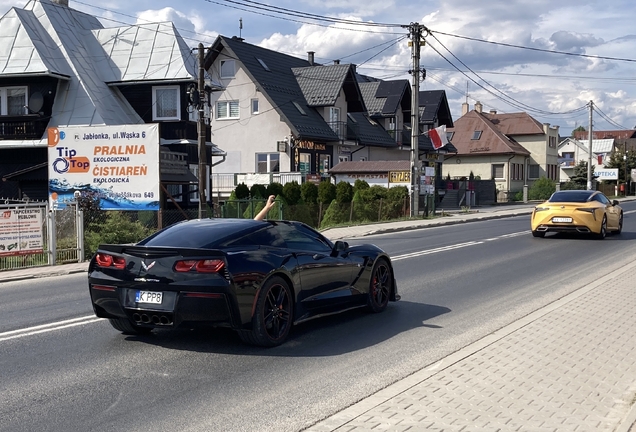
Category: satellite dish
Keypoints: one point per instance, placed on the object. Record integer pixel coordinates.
(35, 102)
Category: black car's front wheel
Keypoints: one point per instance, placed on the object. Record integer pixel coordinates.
(273, 316)
(126, 327)
(380, 286)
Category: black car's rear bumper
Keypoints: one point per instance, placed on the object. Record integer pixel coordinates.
(177, 308)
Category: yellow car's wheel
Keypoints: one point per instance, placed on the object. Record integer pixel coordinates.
(538, 234)
(603, 232)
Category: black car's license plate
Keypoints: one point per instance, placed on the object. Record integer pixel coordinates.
(153, 297)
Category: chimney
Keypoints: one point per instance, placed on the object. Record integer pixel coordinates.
(493, 111)
(310, 57)
(478, 107)
(464, 108)
(336, 62)
(61, 2)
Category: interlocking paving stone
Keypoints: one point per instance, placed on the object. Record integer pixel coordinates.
(570, 368)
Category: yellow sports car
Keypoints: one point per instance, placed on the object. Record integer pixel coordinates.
(577, 211)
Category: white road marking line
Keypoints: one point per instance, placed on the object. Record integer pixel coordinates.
(44, 328)
(457, 246)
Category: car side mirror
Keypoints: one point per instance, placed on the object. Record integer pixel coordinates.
(340, 246)
(615, 202)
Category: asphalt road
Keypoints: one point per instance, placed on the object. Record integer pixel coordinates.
(64, 370)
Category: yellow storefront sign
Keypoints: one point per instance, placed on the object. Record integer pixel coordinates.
(399, 177)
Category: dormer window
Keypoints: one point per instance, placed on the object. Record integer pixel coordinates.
(476, 135)
(227, 69)
(13, 100)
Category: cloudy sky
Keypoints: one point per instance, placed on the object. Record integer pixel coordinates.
(544, 57)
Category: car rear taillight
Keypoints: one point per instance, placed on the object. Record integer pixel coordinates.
(106, 260)
(200, 266)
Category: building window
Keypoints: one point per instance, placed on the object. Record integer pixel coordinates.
(449, 135)
(13, 100)
(174, 193)
(533, 171)
(498, 171)
(193, 189)
(255, 106)
(342, 158)
(299, 108)
(552, 142)
(476, 135)
(166, 104)
(227, 110)
(267, 162)
(325, 164)
(227, 69)
(263, 64)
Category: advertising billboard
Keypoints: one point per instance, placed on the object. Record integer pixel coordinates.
(21, 231)
(119, 165)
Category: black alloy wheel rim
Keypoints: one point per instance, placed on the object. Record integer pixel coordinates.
(604, 227)
(277, 312)
(381, 285)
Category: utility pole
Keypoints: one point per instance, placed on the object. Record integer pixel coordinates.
(415, 30)
(201, 134)
(589, 143)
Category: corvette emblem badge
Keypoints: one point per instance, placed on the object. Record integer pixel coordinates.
(147, 267)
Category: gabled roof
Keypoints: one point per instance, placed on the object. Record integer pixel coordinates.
(491, 140)
(384, 98)
(277, 83)
(520, 123)
(369, 132)
(50, 38)
(599, 134)
(321, 85)
(434, 106)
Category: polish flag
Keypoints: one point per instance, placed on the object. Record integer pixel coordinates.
(438, 137)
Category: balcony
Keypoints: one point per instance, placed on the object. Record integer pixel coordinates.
(24, 127)
(173, 130)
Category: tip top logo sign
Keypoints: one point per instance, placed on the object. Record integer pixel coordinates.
(67, 160)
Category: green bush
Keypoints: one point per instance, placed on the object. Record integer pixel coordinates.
(541, 189)
(117, 229)
(326, 192)
(241, 191)
(258, 191)
(344, 192)
(337, 213)
(360, 185)
(309, 193)
(275, 189)
(291, 192)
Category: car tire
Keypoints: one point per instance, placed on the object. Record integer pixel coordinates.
(540, 234)
(603, 232)
(380, 286)
(273, 315)
(128, 328)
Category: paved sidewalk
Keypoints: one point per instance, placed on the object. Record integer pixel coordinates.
(570, 366)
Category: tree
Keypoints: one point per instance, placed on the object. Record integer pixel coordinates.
(326, 192)
(578, 179)
(578, 129)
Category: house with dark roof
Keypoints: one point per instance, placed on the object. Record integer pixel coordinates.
(281, 116)
(61, 67)
(512, 149)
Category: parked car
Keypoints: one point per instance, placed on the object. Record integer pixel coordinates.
(577, 211)
(257, 277)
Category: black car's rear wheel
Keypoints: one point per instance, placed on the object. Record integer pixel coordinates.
(538, 234)
(380, 286)
(272, 318)
(126, 327)
(603, 232)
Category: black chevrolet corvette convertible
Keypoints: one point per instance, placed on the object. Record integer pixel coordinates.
(257, 277)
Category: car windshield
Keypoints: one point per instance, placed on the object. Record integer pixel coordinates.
(570, 196)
